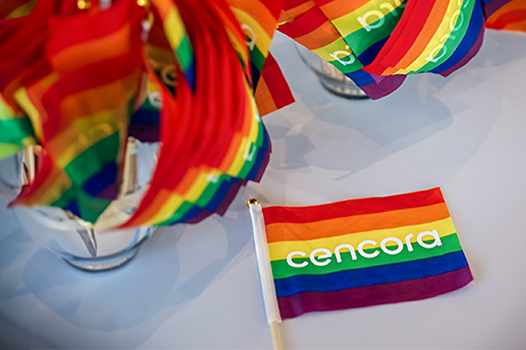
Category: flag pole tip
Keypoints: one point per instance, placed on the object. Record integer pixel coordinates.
(252, 201)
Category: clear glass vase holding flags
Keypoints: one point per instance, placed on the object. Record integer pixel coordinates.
(91, 247)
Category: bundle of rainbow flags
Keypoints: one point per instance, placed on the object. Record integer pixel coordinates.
(378, 43)
(75, 83)
(75, 77)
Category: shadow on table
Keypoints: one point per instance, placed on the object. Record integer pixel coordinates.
(137, 299)
(344, 137)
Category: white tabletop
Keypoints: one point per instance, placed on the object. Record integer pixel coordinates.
(197, 287)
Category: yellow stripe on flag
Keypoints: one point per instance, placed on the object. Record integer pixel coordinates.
(280, 250)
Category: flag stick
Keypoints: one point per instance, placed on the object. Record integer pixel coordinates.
(30, 164)
(265, 272)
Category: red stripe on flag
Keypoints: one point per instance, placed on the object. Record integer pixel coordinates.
(403, 36)
(304, 24)
(289, 4)
(352, 207)
(277, 94)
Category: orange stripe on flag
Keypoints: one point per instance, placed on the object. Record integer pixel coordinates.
(319, 37)
(264, 99)
(84, 53)
(337, 8)
(359, 223)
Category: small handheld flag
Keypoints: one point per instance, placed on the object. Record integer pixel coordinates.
(363, 252)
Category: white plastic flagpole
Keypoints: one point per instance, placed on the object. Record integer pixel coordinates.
(265, 272)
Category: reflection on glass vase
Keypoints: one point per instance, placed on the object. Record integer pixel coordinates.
(330, 77)
(77, 241)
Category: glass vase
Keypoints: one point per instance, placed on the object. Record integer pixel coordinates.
(83, 245)
(330, 77)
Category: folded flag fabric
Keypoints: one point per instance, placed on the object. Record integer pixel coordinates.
(376, 43)
(80, 80)
(211, 130)
(272, 90)
(17, 131)
(79, 94)
(313, 27)
(77, 79)
(364, 252)
(511, 16)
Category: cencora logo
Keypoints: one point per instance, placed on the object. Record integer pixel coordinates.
(458, 19)
(389, 245)
(374, 19)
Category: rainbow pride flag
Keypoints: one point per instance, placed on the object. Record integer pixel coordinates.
(77, 81)
(364, 252)
(80, 80)
(175, 31)
(376, 43)
(272, 91)
(311, 26)
(210, 132)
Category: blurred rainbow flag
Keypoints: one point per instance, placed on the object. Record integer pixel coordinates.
(376, 43)
(211, 131)
(315, 26)
(76, 81)
(91, 77)
(196, 76)
(511, 16)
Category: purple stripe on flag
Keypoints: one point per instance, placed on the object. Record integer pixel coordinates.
(493, 6)
(387, 293)
(384, 87)
(467, 57)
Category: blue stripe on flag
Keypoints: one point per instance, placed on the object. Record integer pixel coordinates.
(467, 42)
(370, 276)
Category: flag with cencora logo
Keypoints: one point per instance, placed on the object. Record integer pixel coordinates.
(364, 252)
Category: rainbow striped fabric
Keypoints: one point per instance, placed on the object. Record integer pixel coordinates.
(175, 31)
(80, 80)
(511, 16)
(376, 43)
(364, 252)
(82, 75)
(17, 131)
(211, 132)
(272, 90)
(312, 25)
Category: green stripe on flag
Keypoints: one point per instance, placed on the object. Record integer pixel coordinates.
(147, 105)
(361, 40)
(184, 53)
(93, 159)
(281, 269)
(249, 161)
(443, 52)
(91, 207)
(210, 191)
(15, 130)
(7, 150)
(347, 64)
(178, 215)
(256, 57)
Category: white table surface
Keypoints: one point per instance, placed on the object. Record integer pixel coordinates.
(197, 287)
